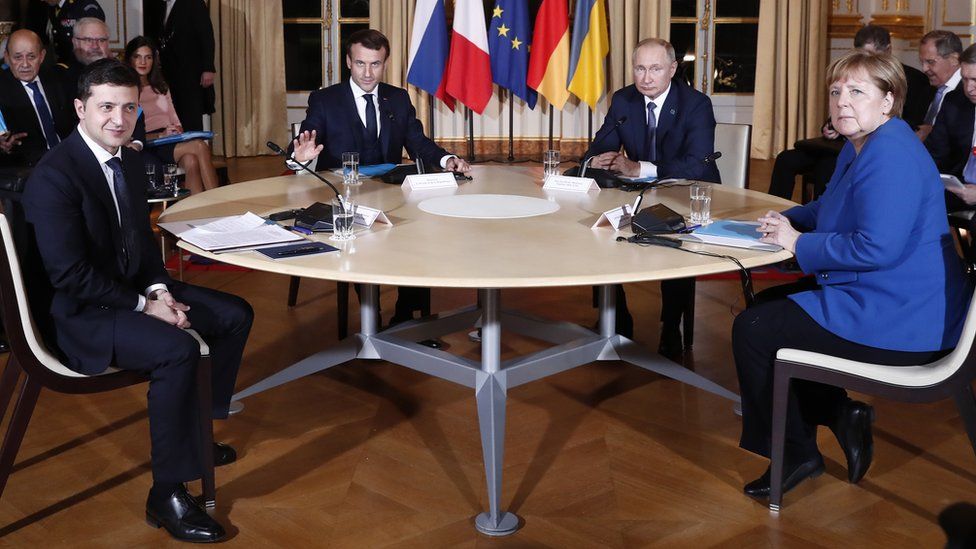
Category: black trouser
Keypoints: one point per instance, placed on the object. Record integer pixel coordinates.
(409, 299)
(169, 356)
(794, 162)
(774, 323)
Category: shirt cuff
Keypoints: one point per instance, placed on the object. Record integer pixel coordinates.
(296, 167)
(154, 287)
(141, 304)
(444, 160)
(647, 170)
(137, 142)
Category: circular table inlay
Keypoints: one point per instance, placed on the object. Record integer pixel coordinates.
(488, 206)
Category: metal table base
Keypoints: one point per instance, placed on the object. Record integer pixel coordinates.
(573, 346)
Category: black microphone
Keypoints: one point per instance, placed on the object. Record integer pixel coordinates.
(710, 158)
(281, 152)
(586, 161)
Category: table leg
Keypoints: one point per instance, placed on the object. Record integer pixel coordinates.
(608, 310)
(490, 393)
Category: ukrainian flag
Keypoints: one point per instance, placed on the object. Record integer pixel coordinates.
(590, 44)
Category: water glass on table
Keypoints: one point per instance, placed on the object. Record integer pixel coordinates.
(701, 203)
(171, 180)
(350, 168)
(343, 216)
(151, 175)
(550, 162)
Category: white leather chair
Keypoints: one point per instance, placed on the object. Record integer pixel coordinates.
(734, 141)
(29, 356)
(950, 376)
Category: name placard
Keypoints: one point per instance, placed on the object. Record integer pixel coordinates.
(570, 184)
(443, 180)
(616, 218)
(366, 216)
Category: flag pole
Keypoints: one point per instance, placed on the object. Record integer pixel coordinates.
(430, 116)
(511, 126)
(470, 114)
(550, 126)
(589, 125)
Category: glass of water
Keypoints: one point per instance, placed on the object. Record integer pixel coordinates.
(171, 178)
(343, 216)
(701, 203)
(350, 168)
(550, 162)
(151, 175)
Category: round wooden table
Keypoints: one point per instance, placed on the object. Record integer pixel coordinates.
(426, 250)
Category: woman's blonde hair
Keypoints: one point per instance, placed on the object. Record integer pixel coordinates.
(885, 72)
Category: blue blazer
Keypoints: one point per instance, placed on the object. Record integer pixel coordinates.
(951, 139)
(68, 204)
(685, 132)
(332, 114)
(880, 248)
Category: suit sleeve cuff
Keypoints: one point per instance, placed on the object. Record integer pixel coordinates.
(647, 170)
(296, 167)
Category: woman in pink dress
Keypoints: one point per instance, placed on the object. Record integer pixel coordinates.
(193, 156)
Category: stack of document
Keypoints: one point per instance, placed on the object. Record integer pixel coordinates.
(239, 232)
(179, 138)
(727, 232)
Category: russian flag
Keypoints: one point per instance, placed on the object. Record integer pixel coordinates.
(429, 49)
(469, 66)
(549, 60)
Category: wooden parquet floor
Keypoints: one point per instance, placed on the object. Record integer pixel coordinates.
(369, 454)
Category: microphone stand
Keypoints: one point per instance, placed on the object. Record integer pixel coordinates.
(281, 152)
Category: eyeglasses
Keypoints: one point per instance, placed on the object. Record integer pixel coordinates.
(92, 41)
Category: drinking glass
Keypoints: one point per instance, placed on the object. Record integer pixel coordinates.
(171, 180)
(343, 216)
(550, 162)
(701, 203)
(350, 168)
(151, 175)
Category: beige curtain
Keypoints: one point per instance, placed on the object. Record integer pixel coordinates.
(630, 22)
(250, 83)
(790, 67)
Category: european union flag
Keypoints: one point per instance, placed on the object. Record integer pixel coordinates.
(509, 38)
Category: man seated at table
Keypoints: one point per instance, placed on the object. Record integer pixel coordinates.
(374, 119)
(938, 52)
(668, 132)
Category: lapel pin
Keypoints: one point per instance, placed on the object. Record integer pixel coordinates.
(672, 111)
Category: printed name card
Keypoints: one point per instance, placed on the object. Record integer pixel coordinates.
(415, 182)
(367, 216)
(570, 183)
(616, 218)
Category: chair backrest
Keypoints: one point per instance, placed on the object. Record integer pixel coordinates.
(22, 333)
(734, 141)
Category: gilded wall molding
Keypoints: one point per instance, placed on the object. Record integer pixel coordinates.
(844, 26)
(906, 27)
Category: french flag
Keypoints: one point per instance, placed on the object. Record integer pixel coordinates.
(469, 65)
(428, 50)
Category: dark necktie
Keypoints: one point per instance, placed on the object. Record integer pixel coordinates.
(122, 198)
(44, 114)
(371, 132)
(933, 111)
(650, 140)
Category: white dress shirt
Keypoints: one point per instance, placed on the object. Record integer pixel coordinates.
(103, 156)
(30, 96)
(649, 169)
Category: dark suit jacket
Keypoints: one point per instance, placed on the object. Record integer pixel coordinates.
(951, 139)
(19, 114)
(685, 132)
(68, 204)
(186, 45)
(918, 97)
(332, 114)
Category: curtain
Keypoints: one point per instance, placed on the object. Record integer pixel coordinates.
(791, 65)
(630, 22)
(250, 86)
(394, 18)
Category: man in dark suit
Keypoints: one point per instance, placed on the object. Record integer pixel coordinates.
(62, 16)
(374, 119)
(951, 142)
(32, 101)
(113, 302)
(185, 35)
(666, 129)
(90, 43)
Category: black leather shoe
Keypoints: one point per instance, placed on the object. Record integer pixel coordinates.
(671, 344)
(432, 343)
(224, 454)
(183, 517)
(792, 475)
(853, 432)
(4, 346)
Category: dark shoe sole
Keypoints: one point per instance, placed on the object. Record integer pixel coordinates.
(155, 523)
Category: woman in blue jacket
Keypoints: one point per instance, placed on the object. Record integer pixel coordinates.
(887, 286)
